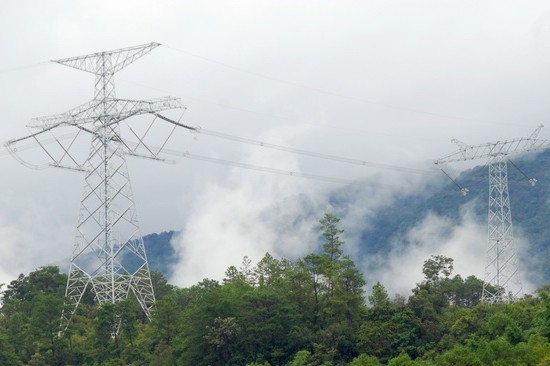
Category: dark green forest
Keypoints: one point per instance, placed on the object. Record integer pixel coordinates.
(311, 311)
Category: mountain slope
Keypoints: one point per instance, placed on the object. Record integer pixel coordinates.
(529, 205)
(160, 253)
(530, 214)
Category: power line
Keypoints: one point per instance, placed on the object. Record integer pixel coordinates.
(312, 153)
(222, 105)
(276, 147)
(208, 159)
(197, 157)
(270, 115)
(297, 85)
(297, 151)
(225, 162)
(212, 160)
(23, 67)
(334, 94)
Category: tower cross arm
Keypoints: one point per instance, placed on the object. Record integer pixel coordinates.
(129, 106)
(118, 109)
(118, 59)
(492, 150)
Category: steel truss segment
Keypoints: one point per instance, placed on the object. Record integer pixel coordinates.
(501, 282)
(64, 150)
(492, 151)
(120, 58)
(111, 226)
(95, 111)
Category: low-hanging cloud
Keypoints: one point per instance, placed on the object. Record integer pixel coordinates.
(251, 213)
(28, 232)
(248, 214)
(380, 82)
(465, 241)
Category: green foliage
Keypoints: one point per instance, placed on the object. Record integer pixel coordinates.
(8, 356)
(379, 297)
(401, 360)
(301, 358)
(45, 280)
(365, 360)
(278, 312)
(436, 268)
(389, 331)
(221, 337)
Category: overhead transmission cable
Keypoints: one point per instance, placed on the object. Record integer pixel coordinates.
(188, 155)
(297, 85)
(23, 67)
(311, 153)
(220, 105)
(225, 162)
(269, 146)
(270, 115)
(300, 151)
(263, 144)
(331, 93)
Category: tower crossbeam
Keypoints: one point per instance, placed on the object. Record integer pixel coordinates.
(117, 59)
(99, 110)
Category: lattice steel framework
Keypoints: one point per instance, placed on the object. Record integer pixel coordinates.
(109, 256)
(502, 282)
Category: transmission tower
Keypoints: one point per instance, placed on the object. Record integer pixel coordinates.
(501, 282)
(109, 257)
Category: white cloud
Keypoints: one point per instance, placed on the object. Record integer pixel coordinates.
(465, 242)
(247, 214)
(30, 237)
(486, 62)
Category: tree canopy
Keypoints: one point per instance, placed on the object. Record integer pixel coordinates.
(309, 311)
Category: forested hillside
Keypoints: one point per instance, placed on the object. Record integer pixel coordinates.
(529, 204)
(309, 311)
(160, 253)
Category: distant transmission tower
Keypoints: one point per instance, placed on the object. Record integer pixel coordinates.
(501, 282)
(109, 257)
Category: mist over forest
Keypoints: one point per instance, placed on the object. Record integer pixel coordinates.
(252, 183)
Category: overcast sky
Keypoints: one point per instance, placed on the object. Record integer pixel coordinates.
(389, 82)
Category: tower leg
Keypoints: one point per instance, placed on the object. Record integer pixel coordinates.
(109, 255)
(501, 282)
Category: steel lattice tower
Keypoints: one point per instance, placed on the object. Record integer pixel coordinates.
(501, 270)
(502, 282)
(109, 257)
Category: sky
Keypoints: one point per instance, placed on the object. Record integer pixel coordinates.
(386, 82)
